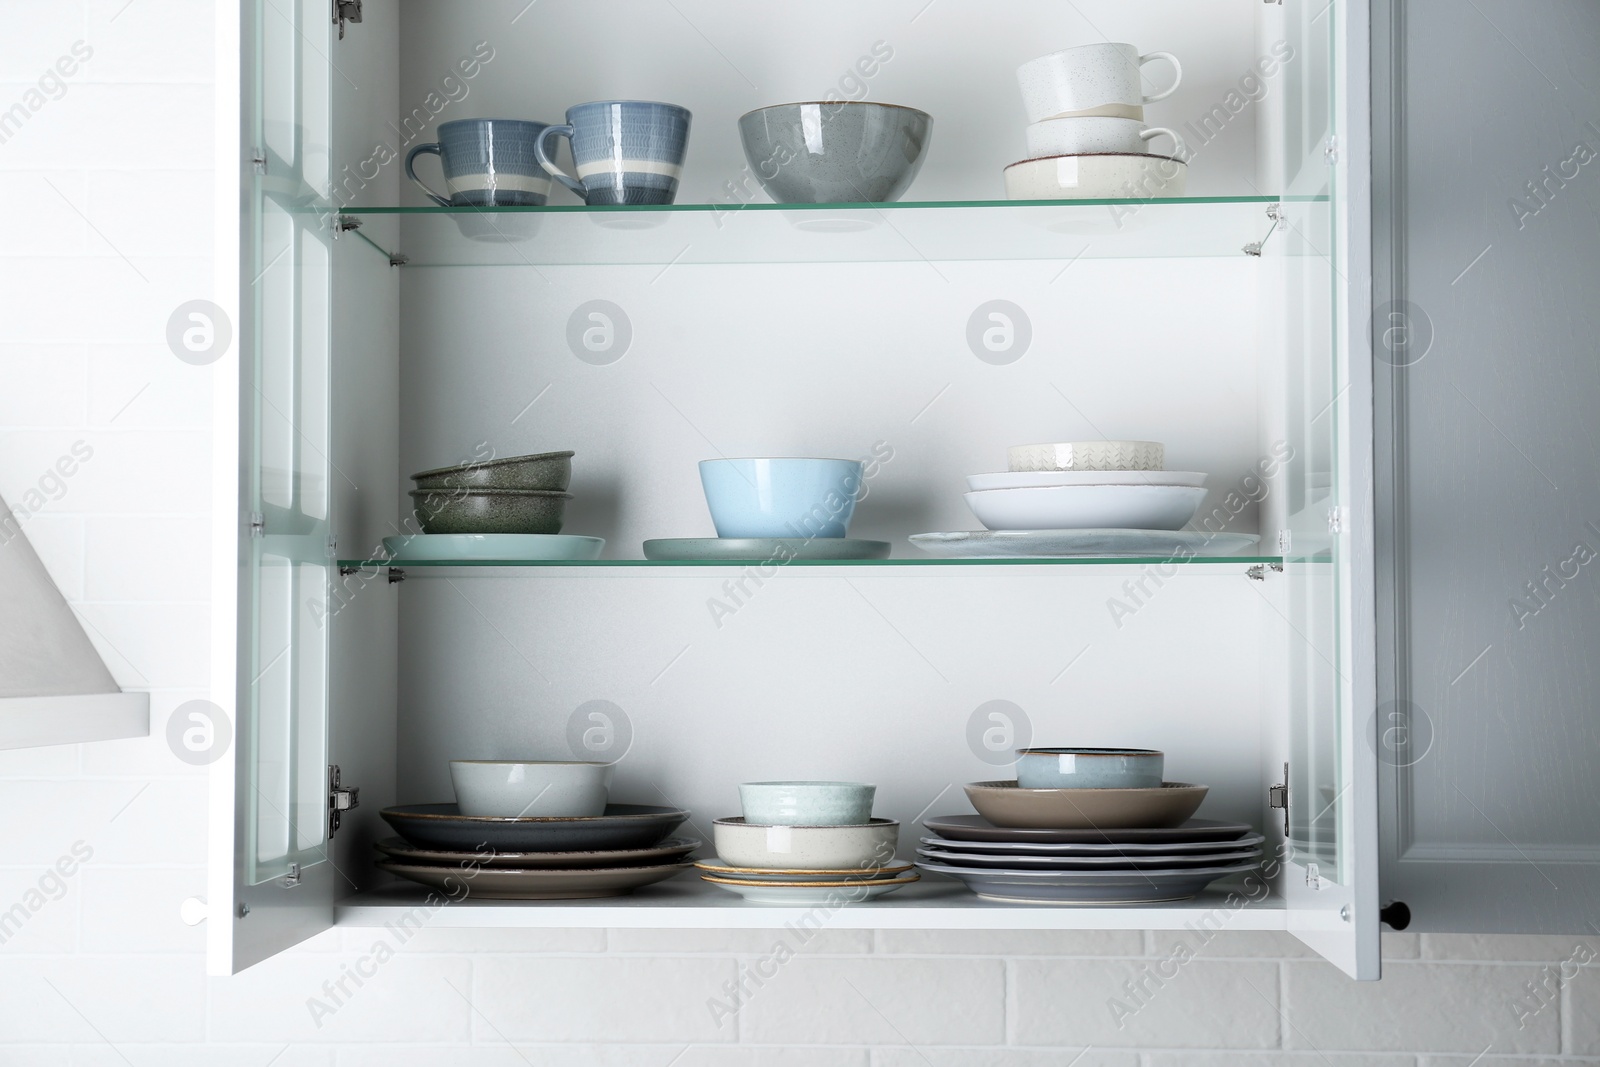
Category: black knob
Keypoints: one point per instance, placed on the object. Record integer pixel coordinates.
(1396, 914)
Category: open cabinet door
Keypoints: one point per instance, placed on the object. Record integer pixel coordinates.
(1330, 873)
(271, 799)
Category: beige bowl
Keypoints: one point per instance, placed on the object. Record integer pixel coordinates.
(1088, 456)
(808, 848)
(1008, 804)
(1097, 176)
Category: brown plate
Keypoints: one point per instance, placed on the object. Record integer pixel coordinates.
(489, 883)
(670, 849)
(1007, 804)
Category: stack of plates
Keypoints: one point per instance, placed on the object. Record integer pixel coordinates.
(536, 858)
(771, 885)
(1087, 866)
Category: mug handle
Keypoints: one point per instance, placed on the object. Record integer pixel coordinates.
(550, 165)
(1177, 71)
(431, 149)
(1179, 149)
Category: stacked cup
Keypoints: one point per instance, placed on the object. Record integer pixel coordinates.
(806, 843)
(1087, 138)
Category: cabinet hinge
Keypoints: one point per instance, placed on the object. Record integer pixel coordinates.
(292, 879)
(258, 524)
(1336, 520)
(1278, 797)
(346, 11)
(1330, 151)
(341, 798)
(1285, 541)
(1313, 876)
(333, 547)
(258, 159)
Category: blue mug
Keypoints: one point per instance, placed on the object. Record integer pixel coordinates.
(487, 163)
(626, 151)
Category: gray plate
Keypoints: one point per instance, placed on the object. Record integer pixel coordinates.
(670, 849)
(1097, 848)
(490, 884)
(1167, 862)
(977, 828)
(1087, 887)
(444, 828)
(779, 549)
(1046, 544)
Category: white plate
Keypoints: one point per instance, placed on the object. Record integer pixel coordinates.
(513, 547)
(1100, 848)
(792, 876)
(1045, 479)
(832, 893)
(1102, 176)
(1093, 544)
(1087, 507)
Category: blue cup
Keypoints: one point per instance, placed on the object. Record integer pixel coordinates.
(487, 163)
(626, 151)
(802, 498)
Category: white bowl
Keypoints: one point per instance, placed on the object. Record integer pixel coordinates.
(1097, 176)
(1088, 456)
(1087, 507)
(806, 848)
(530, 788)
(1045, 479)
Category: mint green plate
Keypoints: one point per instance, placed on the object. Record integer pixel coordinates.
(494, 546)
(761, 549)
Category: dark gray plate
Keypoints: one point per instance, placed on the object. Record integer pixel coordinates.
(1168, 862)
(1087, 887)
(1132, 849)
(671, 848)
(568, 884)
(444, 828)
(977, 828)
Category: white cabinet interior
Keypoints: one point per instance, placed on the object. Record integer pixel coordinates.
(754, 332)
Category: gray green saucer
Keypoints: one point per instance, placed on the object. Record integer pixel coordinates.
(762, 549)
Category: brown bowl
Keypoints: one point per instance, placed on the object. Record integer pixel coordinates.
(1007, 804)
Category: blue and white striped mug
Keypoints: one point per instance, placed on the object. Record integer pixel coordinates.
(487, 163)
(626, 151)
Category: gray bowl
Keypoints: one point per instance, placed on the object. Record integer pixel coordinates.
(858, 152)
(547, 470)
(485, 511)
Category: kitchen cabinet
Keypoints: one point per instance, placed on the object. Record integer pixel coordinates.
(378, 336)
(1486, 389)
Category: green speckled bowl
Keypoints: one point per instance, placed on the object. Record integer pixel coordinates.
(546, 470)
(485, 511)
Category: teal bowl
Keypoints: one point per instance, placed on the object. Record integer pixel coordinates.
(801, 498)
(1089, 768)
(806, 803)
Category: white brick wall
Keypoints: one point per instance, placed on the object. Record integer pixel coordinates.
(108, 975)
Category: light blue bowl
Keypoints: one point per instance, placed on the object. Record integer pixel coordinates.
(781, 497)
(1089, 768)
(806, 803)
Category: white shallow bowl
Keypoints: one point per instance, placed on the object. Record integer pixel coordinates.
(528, 788)
(1087, 507)
(1088, 456)
(1099, 176)
(1046, 479)
(808, 848)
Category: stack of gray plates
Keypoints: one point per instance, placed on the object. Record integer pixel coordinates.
(1107, 867)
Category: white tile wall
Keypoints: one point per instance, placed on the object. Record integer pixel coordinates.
(107, 975)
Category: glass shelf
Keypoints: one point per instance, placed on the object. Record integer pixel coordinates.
(357, 565)
(942, 231)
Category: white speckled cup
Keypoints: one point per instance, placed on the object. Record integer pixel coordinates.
(1088, 77)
